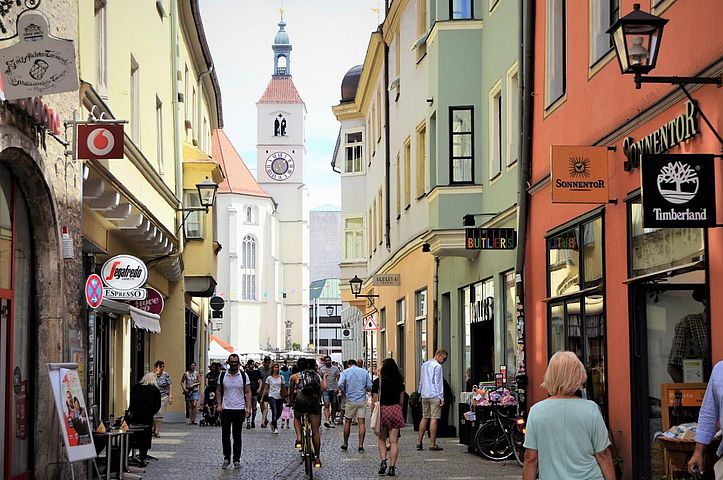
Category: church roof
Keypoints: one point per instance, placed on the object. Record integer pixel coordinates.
(281, 89)
(238, 176)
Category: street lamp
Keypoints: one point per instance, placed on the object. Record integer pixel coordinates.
(355, 284)
(468, 220)
(206, 198)
(637, 38)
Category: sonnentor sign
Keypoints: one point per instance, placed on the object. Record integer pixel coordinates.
(124, 272)
(38, 64)
(678, 191)
(579, 174)
(677, 130)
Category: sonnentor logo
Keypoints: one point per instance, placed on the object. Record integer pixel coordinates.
(678, 182)
(100, 141)
(579, 167)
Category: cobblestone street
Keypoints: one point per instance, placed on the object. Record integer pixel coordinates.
(192, 452)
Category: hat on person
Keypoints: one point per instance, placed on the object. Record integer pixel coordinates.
(267, 359)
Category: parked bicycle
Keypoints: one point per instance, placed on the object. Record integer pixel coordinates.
(307, 446)
(501, 436)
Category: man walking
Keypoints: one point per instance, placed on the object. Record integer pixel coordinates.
(711, 414)
(331, 400)
(431, 388)
(355, 383)
(232, 395)
(265, 371)
(190, 382)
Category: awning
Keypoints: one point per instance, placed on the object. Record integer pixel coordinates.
(145, 320)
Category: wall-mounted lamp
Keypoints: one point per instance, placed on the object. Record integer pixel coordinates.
(355, 284)
(468, 220)
(206, 198)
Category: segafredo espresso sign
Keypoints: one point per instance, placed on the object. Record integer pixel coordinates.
(123, 276)
(677, 130)
(678, 191)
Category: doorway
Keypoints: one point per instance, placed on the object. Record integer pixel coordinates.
(670, 334)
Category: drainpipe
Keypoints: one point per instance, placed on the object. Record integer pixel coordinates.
(387, 161)
(174, 82)
(527, 56)
(200, 102)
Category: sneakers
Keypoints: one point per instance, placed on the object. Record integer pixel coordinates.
(237, 465)
(383, 467)
(276, 431)
(392, 471)
(317, 462)
(326, 424)
(226, 464)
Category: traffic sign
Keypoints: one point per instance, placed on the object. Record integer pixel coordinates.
(94, 291)
(216, 303)
(370, 325)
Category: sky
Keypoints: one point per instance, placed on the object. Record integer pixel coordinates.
(328, 37)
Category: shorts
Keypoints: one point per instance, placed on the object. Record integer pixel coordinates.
(192, 396)
(162, 411)
(431, 408)
(302, 406)
(330, 398)
(355, 410)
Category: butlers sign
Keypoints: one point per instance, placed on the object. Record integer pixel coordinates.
(38, 64)
(676, 131)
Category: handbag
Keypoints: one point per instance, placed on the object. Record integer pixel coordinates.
(376, 419)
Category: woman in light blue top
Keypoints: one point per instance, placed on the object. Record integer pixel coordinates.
(566, 436)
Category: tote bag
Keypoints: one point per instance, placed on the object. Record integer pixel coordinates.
(376, 419)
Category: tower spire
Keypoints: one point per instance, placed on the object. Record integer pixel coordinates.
(282, 48)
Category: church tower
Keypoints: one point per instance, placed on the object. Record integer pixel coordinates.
(280, 165)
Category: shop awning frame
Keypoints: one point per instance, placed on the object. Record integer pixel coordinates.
(141, 319)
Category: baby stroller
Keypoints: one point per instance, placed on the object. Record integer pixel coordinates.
(210, 416)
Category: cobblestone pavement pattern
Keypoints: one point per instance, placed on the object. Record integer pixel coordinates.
(192, 452)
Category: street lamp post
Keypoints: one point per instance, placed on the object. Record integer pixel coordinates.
(206, 198)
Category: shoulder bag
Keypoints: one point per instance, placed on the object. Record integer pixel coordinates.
(376, 419)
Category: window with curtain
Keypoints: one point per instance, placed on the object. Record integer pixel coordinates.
(461, 144)
(576, 320)
(248, 268)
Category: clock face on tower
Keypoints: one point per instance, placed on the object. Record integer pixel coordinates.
(279, 166)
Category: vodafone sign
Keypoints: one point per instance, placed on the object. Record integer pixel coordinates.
(124, 272)
(100, 141)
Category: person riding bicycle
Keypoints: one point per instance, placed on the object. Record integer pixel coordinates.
(305, 390)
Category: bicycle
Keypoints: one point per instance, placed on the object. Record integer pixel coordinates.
(501, 436)
(308, 454)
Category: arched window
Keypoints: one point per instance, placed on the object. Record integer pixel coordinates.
(248, 268)
(249, 215)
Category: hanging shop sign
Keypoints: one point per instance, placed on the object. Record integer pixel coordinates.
(579, 174)
(490, 238)
(153, 303)
(39, 64)
(678, 191)
(123, 276)
(678, 130)
(386, 280)
(100, 141)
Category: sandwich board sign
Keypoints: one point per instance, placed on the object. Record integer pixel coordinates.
(72, 412)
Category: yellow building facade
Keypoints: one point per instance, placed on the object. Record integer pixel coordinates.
(138, 60)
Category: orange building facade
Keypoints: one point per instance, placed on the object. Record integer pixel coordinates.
(598, 282)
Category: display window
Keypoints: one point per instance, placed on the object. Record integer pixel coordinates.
(576, 299)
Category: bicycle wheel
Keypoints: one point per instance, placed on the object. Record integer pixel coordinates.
(308, 452)
(518, 442)
(492, 441)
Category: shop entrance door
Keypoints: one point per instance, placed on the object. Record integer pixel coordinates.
(669, 323)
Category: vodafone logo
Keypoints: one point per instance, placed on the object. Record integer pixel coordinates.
(100, 142)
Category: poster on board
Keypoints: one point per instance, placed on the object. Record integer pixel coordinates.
(72, 412)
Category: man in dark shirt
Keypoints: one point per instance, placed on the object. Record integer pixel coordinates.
(691, 338)
(255, 379)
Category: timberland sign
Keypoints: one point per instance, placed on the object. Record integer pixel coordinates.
(579, 174)
(678, 191)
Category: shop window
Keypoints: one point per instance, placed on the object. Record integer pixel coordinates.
(353, 152)
(401, 315)
(510, 325)
(555, 61)
(460, 9)
(420, 320)
(461, 140)
(194, 221)
(466, 311)
(248, 268)
(576, 308)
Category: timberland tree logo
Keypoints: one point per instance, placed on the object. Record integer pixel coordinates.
(678, 182)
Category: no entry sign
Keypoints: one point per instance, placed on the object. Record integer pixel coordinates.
(94, 291)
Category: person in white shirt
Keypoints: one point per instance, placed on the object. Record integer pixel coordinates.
(431, 388)
(233, 393)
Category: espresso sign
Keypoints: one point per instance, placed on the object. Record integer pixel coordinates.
(678, 191)
(490, 238)
(579, 174)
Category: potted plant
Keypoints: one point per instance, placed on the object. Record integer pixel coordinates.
(415, 405)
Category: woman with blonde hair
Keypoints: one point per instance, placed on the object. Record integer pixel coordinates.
(145, 402)
(566, 435)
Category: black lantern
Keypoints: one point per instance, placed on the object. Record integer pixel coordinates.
(207, 192)
(636, 37)
(355, 284)
(329, 310)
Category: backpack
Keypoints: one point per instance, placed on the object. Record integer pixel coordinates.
(223, 374)
(309, 382)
